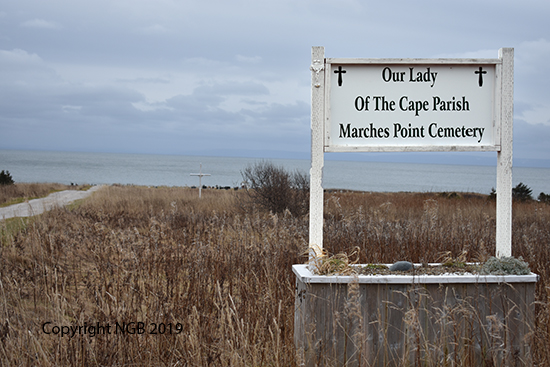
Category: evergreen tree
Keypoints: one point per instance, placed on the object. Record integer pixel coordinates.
(522, 192)
(5, 178)
(493, 194)
(544, 198)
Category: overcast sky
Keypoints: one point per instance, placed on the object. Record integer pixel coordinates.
(215, 77)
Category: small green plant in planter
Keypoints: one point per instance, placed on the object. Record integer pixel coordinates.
(342, 265)
(448, 261)
(376, 266)
(505, 266)
(339, 264)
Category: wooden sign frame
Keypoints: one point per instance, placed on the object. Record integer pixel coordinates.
(501, 123)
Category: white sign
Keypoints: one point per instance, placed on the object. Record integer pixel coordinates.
(410, 105)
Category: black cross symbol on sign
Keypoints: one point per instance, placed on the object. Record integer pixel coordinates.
(480, 72)
(339, 72)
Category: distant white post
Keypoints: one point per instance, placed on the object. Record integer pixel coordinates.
(200, 174)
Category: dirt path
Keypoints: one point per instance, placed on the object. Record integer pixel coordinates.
(38, 206)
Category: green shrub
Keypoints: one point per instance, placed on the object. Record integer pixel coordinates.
(544, 198)
(505, 266)
(5, 178)
(522, 192)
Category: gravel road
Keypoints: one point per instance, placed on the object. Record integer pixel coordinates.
(38, 206)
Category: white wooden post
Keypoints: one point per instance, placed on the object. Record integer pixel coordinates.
(504, 156)
(317, 153)
(200, 174)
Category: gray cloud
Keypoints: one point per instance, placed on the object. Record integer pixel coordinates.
(233, 77)
(41, 24)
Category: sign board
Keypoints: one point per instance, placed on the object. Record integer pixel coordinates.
(410, 105)
(384, 105)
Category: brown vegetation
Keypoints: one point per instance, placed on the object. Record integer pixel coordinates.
(219, 277)
(274, 189)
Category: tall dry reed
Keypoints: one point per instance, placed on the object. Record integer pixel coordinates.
(219, 277)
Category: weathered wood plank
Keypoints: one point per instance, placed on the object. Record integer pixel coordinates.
(351, 324)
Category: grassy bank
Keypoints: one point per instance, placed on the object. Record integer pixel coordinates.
(213, 284)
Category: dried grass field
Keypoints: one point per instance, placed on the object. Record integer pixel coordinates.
(137, 276)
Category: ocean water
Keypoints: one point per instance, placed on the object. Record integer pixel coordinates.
(173, 170)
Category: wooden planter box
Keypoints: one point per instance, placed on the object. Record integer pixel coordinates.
(406, 320)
